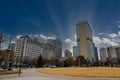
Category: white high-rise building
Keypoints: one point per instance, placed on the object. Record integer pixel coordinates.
(30, 49)
(114, 54)
(103, 54)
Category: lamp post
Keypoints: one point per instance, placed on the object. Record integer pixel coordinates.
(21, 56)
(7, 53)
(79, 61)
(7, 58)
(20, 63)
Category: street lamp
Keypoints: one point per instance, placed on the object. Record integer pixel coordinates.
(7, 58)
(79, 61)
(21, 56)
(7, 53)
(20, 63)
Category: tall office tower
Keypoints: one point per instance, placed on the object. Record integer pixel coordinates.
(30, 49)
(96, 53)
(51, 52)
(75, 51)
(68, 53)
(56, 43)
(85, 40)
(114, 54)
(103, 55)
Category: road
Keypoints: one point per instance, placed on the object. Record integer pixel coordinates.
(32, 74)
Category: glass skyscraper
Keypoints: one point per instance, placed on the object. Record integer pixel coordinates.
(85, 40)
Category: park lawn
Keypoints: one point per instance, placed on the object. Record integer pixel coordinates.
(84, 72)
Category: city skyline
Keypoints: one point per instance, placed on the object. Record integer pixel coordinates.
(59, 18)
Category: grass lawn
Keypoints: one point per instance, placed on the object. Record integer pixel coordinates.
(85, 72)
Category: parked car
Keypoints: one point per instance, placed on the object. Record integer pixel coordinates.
(52, 66)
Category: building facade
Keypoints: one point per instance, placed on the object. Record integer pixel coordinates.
(8, 56)
(114, 54)
(68, 53)
(85, 40)
(96, 53)
(75, 51)
(57, 44)
(28, 48)
(51, 52)
(103, 55)
(31, 49)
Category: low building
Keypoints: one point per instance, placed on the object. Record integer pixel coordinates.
(6, 56)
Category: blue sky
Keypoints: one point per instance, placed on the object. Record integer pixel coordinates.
(59, 17)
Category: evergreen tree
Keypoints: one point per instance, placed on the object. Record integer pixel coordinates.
(70, 61)
(39, 62)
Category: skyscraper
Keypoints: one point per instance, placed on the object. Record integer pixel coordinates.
(68, 53)
(85, 40)
(114, 54)
(75, 51)
(103, 55)
(96, 53)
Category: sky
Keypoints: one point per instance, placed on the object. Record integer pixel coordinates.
(59, 18)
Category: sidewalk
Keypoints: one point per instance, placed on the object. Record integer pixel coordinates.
(32, 74)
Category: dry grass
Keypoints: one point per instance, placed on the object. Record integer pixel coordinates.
(88, 72)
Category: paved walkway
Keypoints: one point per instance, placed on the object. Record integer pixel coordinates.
(32, 74)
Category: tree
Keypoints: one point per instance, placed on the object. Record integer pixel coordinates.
(66, 63)
(81, 60)
(58, 63)
(1, 60)
(70, 61)
(39, 62)
(75, 62)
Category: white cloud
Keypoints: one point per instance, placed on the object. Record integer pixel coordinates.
(118, 26)
(68, 44)
(110, 40)
(113, 35)
(119, 33)
(18, 36)
(97, 40)
(43, 36)
(40, 37)
(13, 41)
(75, 36)
(101, 33)
(51, 37)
